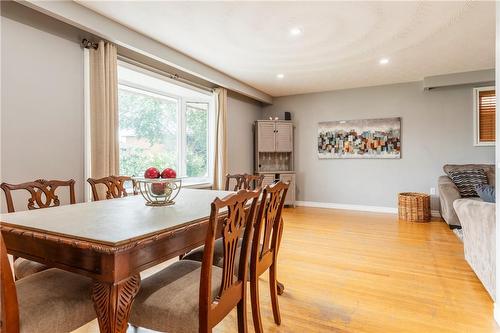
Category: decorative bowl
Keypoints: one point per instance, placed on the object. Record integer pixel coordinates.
(159, 191)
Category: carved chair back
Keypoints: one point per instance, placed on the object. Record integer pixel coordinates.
(235, 182)
(252, 182)
(43, 193)
(9, 309)
(235, 215)
(268, 227)
(115, 186)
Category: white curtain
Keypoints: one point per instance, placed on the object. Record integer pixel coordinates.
(103, 82)
(220, 151)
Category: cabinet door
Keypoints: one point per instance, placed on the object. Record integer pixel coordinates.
(266, 139)
(284, 137)
(290, 195)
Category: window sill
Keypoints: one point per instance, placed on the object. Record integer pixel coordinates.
(484, 144)
(197, 185)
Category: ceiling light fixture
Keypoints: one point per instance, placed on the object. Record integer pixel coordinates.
(280, 76)
(383, 61)
(296, 31)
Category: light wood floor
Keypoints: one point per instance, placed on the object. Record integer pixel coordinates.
(364, 272)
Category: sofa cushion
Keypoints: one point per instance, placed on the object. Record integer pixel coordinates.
(489, 169)
(466, 181)
(486, 192)
(478, 225)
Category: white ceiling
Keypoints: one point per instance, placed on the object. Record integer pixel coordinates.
(341, 44)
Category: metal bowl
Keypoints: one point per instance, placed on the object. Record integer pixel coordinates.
(159, 191)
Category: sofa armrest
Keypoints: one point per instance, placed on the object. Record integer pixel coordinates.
(448, 193)
(478, 225)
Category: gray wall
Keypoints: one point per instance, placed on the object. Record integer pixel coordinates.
(436, 129)
(42, 103)
(242, 113)
(42, 106)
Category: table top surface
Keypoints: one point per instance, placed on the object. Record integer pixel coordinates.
(117, 221)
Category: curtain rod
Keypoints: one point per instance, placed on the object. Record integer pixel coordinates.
(175, 77)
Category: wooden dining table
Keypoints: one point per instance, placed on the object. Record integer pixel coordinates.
(110, 241)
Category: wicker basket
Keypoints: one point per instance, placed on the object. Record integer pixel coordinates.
(415, 207)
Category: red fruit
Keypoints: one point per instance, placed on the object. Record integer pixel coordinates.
(158, 188)
(168, 173)
(151, 173)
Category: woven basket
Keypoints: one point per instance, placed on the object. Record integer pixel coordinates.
(415, 207)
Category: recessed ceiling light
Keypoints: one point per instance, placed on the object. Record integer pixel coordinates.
(383, 61)
(296, 31)
(280, 76)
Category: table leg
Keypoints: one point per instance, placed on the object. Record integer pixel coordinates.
(112, 303)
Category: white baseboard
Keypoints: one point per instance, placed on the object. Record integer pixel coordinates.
(361, 208)
(435, 213)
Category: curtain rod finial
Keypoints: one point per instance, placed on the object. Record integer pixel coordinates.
(88, 44)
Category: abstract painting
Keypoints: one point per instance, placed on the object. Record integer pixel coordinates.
(365, 138)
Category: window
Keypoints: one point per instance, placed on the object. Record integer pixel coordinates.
(484, 116)
(163, 124)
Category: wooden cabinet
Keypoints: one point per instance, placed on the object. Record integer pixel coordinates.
(274, 136)
(274, 154)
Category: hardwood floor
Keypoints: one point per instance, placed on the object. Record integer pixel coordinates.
(365, 272)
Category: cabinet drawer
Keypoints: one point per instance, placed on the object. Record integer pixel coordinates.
(268, 179)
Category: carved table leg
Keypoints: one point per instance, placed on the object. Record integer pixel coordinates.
(112, 303)
(281, 287)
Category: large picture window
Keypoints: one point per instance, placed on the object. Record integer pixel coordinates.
(163, 124)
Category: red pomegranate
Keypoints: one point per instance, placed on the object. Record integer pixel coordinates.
(152, 173)
(168, 173)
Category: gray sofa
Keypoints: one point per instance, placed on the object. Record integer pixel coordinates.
(448, 192)
(478, 227)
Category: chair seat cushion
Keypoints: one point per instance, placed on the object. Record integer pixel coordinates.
(168, 301)
(24, 267)
(197, 254)
(54, 301)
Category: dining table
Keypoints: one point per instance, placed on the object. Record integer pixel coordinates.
(111, 242)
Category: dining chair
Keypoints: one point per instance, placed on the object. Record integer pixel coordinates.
(52, 301)
(192, 296)
(264, 249)
(252, 182)
(115, 186)
(237, 180)
(42, 195)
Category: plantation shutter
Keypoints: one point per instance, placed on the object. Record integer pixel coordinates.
(487, 105)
